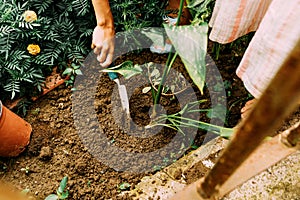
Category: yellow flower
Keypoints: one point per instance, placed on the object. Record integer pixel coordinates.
(30, 16)
(34, 49)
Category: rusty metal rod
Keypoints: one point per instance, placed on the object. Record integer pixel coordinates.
(279, 99)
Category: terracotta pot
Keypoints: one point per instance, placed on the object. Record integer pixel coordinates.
(14, 133)
(9, 192)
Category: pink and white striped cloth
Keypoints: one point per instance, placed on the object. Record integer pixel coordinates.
(278, 30)
(232, 19)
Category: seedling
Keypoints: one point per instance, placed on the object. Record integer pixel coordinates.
(36, 111)
(157, 168)
(89, 183)
(72, 71)
(177, 85)
(26, 170)
(25, 191)
(177, 121)
(61, 192)
(124, 186)
(185, 39)
(112, 141)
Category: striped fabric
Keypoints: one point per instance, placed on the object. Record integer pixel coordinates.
(232, 19)
(276, 36)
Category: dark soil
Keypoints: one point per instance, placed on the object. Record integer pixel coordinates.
(199, 169)
(65, 139)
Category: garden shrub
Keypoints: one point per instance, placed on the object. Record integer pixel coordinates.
(132, 14)
(37, 35)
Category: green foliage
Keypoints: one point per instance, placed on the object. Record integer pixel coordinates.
(62, 31)
(133, 14)
(61, 192)
(126, 69)
(72, 71)
(177, 121)
(190, 43)
(130, 15)
(124, 186)
(201, 10)
(192, 51)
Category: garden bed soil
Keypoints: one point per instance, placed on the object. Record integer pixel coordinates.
(56, 150)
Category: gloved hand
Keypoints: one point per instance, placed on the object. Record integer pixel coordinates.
(103, 36)
(103, 44)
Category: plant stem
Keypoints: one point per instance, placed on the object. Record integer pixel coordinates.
(168, 66)
(179, 12)
(178, 121)
(216, 50)
(193, 122)
(163, 78)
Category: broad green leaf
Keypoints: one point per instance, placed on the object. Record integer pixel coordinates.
(75, 66)
(67, 71)
(190, 42)
(78, 72)
(126, 69)
(63, 185)
(156, 35)
(52, 197)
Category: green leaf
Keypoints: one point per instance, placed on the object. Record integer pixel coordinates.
(194, 3)
(74, 66)
(156, 35)
(202, 5)
(64, 195)
(62, 185)
(78, 72)
(124, 186)
(226, 132)
(126, 69)
(191, 43)
(52, 197)
(67, 71)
